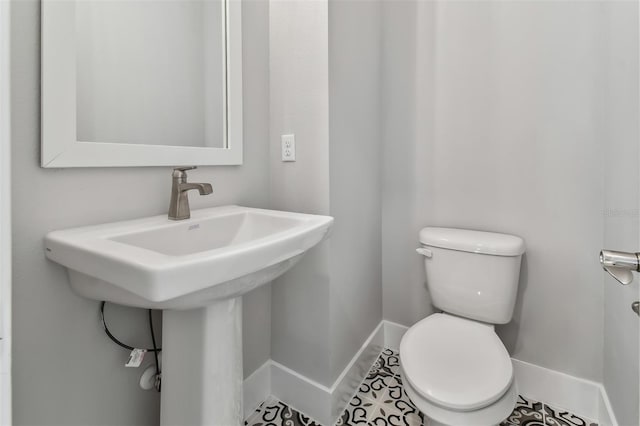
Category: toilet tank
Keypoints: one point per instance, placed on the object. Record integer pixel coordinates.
(472, 274)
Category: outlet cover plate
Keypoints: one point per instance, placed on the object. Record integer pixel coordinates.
(288, 147)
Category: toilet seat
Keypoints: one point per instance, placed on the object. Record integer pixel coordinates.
(490, 415)
(456, 363)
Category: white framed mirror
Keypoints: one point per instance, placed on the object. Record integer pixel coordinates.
(141, 83)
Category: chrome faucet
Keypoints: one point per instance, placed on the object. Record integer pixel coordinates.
(620, 264)
(179, 206)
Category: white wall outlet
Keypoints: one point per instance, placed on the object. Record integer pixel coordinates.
(288, 147)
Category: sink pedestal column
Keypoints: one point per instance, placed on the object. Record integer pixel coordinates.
(202, 365)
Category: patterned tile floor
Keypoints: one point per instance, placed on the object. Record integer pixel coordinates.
(382, 401)
(533, 413)
(276, 413)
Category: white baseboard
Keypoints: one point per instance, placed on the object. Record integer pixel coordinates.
(347, 384)
(324, 404)
(306, 395)
(256, 388)
(561, 390)
(393, 333)
(606, 416)
(321, 403)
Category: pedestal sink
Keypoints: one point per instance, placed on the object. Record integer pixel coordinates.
(195, 270)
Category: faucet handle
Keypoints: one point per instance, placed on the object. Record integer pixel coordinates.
(185, 168)
(180, 171)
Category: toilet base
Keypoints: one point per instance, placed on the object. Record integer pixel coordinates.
(488, 416)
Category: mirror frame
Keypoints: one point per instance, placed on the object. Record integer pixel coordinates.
(59, 144)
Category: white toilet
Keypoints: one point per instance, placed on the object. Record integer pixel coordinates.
(454, 367)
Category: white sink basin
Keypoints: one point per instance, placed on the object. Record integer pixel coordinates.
(195, 270)
(219, 253)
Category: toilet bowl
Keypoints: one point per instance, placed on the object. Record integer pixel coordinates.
(454, 366)
(457, 371)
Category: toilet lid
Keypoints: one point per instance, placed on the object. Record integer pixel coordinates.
(455, 362)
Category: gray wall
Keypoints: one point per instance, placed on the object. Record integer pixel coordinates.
(325, 78)
(66, 371)
(355, 31)
(406, 198)
(300, 105)
(494, 123)
(622, 208)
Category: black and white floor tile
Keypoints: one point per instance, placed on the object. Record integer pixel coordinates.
(276, 413)
(526, 413)
(382, 401)
(532, 413)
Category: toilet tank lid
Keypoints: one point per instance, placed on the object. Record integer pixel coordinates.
(472, 241)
